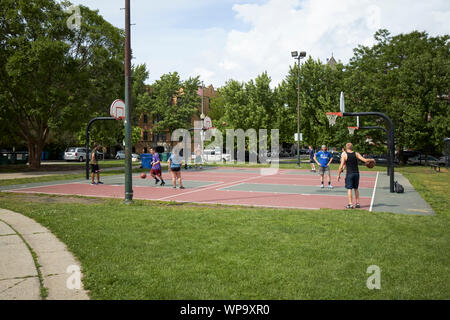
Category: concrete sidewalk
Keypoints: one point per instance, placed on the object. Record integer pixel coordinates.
(34, 264)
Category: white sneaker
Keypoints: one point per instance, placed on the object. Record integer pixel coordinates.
(330, 186)
(322, 186)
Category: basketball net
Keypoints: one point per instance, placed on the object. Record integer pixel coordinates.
(332, 119)
(351, 130)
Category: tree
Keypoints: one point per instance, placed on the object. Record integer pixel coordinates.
(250, 105)
(171, 102)
(407, 77)
(320, 86)
(51, 77)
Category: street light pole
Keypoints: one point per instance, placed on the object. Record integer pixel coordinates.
(128, 143)
(298, 57)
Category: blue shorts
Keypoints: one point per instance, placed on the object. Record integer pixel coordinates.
(352, 181)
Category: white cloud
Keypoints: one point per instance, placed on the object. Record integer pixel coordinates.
(320, 27)
(168, 38)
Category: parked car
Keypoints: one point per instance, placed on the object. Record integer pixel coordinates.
(215, 155)
(120, 155)
(336, 157)
(380, 159)
(423, 159)
(444, 160)
(75, 154)
(409, 154)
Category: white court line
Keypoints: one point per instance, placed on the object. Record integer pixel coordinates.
(211, 187)
(42, 186)
(373, 194)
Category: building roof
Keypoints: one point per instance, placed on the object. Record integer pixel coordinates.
(332, 62)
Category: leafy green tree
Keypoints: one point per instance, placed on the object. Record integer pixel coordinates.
(171, 102)
(406, 76)
(320, 86)
(53, 78)
(249, 105)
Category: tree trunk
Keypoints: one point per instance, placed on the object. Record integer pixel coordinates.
(34, 154)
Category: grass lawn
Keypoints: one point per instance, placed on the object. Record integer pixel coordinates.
(155, 250)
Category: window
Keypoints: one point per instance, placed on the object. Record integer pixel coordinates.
(161, 137)
(145, 136)
(145, 118)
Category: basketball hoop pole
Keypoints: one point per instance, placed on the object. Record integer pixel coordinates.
(128, 143)
(378, 128)
(88, 127)
(390, 140)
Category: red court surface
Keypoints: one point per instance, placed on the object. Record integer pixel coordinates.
(298, 189)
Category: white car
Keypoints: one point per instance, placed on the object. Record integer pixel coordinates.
(75, 154)
(120, 155)
(215, 155)
(422, 159)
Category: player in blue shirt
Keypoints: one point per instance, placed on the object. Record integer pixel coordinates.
(323, 159)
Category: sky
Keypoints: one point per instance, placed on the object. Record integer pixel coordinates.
(220, 40)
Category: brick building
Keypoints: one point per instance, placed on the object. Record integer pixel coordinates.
(161, 141)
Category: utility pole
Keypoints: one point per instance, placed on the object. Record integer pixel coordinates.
(203, 98)
(298, 113)
(298, 56)
(128, 143)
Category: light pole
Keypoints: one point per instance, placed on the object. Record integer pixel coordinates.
(298, 56)
(128, 168)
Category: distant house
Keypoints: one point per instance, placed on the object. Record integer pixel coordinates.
(161, 141)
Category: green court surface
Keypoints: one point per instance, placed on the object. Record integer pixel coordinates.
(293, 189)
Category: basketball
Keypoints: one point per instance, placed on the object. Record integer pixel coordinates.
(370, 164)
(143, 176)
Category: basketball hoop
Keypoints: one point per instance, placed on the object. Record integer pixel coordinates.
(351, 130)
(207, 123)
(332, 117)
(117, 109)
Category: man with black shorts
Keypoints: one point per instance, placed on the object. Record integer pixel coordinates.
(94, 166)
(155, 172)
(350, 160)
(311, 159)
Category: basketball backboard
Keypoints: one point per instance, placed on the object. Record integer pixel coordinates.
(342, 102)
(117, 109)
(207, 123)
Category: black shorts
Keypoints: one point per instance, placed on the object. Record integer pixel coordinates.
(311, 161)
(95, 168)
(175, 169)
(352, 181)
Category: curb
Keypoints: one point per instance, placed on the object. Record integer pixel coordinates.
(50, 267)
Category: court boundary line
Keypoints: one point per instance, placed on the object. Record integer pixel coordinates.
(289, 193)
(179, 201)
(210, 187)
(374, 190)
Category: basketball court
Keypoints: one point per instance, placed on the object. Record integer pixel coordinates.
(289, 188)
